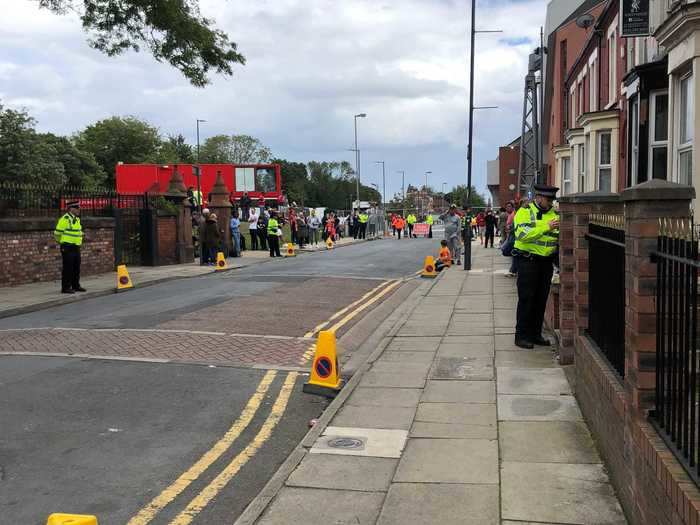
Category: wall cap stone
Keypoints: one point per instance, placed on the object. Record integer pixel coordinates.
(658, 190)
(25, 224)
(590, 198)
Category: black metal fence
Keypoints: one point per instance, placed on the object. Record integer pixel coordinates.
(676, 415)
(606, 287)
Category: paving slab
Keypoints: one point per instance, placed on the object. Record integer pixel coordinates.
(374, 417)
(446, 504)
(505, 330)
(385, 397)
(400, 367)
(504, 318)
(421, 331)
(505, 301)
(406, 357)
(537, 408)
(422, 429)
(558, 493)
(468, 329)
(344, 473)
(542, 381)
(463, 368)
(482, 305)
(459, 392)
(457, 413)
(414, 344)
(449, 461)
(473, 319)
(380, 443)
(507, 343)
(389, 379)
(525, 359)
(467, 349)
(301, 505)
(546, 442)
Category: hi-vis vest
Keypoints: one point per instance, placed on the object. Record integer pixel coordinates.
(533, 235)
(272, 226)
(363, 218)
(69, 230)
(429, 219)
(411, 219)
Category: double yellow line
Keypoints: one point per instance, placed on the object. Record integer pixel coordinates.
(202, 499)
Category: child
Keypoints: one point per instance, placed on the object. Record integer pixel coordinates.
(444, 258)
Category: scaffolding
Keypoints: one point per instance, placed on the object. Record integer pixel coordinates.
(530, 165)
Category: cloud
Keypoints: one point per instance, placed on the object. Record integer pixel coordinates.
(311, 66)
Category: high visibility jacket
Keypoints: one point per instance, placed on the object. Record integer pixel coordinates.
(69, 230)
(532, 232)
(363, 218)
(272, 226)
(429, 219)
(411, 219)
(197, 197)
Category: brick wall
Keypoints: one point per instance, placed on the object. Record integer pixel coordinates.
(166, 231)
(29, 253)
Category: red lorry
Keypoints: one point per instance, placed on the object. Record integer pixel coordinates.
(262, 182)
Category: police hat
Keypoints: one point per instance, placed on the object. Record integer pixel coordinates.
(73, 204)
(546, 190)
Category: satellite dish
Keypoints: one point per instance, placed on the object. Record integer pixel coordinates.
(585, 21)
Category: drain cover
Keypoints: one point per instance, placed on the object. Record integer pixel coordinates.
(346, 443)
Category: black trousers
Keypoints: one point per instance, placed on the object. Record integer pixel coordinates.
(70, 274)
(274, 242)
(430, 232)
(410, 230)
(262, 237)
(253, 239)
(534, 280)
(488, 237)
(363, 230)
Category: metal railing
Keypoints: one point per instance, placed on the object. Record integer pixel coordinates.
(676, 415)
(606, 287)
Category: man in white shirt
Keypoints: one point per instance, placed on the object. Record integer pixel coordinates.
(253, 216)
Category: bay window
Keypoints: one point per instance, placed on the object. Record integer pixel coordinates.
(566, 175)
(658, 135)
(604, 161)
(686, 114)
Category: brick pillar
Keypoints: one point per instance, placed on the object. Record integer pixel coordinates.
(177, 193)
(573, 256)
(220, 204)
(645, 204)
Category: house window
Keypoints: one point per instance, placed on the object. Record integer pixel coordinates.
(572, 96)
(604, 161)
(635, 177)
(566, 174)
(593, 86)
(612, 66)
(581, 106)
(581, 168)
(685, 131)
(658, 135)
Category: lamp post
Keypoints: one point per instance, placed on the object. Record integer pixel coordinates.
(357, 159)
(383, 185)
(424, 201)
(403, 190)
(198, 171)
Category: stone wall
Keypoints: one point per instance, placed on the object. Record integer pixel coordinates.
(29, 253)
(167, 239)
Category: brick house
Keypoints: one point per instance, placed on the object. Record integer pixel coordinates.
(502, 178)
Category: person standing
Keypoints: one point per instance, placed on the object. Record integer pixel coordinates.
(429, 222)
(399, 224)
(536, 229)
(502, 223)
(303, 230)
(253, 217)
(452, 229)
(246, 201)
(69, 235)
(411, 221)
(211, 237)
(203, 246)
(489, 228)
(236, 234)
(314, 224)
(262, 229)
(481, 223)
(362, 219)
(293, 227)
(273, 237)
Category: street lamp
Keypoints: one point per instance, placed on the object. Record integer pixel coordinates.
(198, 172)
(403, 190)
(425, 193)
(383, 182)
(357, 158)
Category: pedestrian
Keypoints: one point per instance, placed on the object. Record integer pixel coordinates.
(236, 234)
(355, 225)
(510, 238)
(453, 223)
(330, 227)
(211, 237)
(362, 219)
(481, 223)
(444, 257)
(262, 229)
(303, 230)
(293, 228)
(489, 228)
(203, 246)
(253, 216)
(502, 223)
(273, 235)
(411, 221)
(69, 236)
(429, 221)
(246, 202)
(314, 225)
(536, 229)
(399, 225)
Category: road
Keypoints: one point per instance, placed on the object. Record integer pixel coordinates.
(198, 398)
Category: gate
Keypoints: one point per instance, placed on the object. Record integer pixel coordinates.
(134, 232)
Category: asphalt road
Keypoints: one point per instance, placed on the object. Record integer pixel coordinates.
(109, 437)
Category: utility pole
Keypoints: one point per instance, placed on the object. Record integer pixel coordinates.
(403, 190)
(199, 172)
(383, 191)
(357, 160)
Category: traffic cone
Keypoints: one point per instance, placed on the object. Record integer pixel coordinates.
(220, 262)
(71, 519)
(329, 243)
(325, 377)
(291, 252)
(123, 279)
(429, 267)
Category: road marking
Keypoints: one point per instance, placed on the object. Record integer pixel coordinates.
(210, 491)
(366, 305)
(149, 512)
(309, 335)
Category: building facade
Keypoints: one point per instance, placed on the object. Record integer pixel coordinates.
(502, 174)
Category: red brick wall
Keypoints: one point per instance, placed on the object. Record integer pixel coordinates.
(551, 314)
(29, 253)
(167, 240)
(508, 159)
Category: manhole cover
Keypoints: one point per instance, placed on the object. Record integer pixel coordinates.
(346, 442)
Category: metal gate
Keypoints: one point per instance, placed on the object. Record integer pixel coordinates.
(134, 232)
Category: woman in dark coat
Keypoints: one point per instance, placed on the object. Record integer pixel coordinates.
(212, 237)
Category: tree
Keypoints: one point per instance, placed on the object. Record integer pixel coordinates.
(175, 150)
(458, 196)
(294, 180)
(332, 184)
(173, 30)
(17, 138)
(234, 149)
(119, 139)
(80, 168)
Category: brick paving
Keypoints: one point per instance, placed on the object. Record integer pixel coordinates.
(181, 346)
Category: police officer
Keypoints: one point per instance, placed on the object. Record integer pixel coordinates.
(363, 218)
(536, 229)
(429, 221)
(69, 235)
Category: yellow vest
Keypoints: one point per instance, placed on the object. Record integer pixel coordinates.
(411, 219)
(533, 235)
(69, 230)
(272, 226)
(363, 218)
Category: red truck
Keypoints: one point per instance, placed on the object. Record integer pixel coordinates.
(262, 182)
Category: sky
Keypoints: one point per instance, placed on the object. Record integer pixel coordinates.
(311, 66)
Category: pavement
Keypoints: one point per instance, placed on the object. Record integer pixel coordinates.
(36, 296)
(448, 422)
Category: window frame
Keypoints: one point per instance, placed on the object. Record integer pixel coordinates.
(653, 143)
(683, 148)
(612, 63)
(599, 157)
(566, 178)
(581, 168)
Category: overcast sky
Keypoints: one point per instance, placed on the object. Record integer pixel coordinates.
(311, 66)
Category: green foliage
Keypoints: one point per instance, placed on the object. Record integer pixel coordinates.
(173, 30)
(458, 196)
(332, 184)
(175, 150)
(167, 207)
(294, 180)
(120, 139)
(234, 149)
